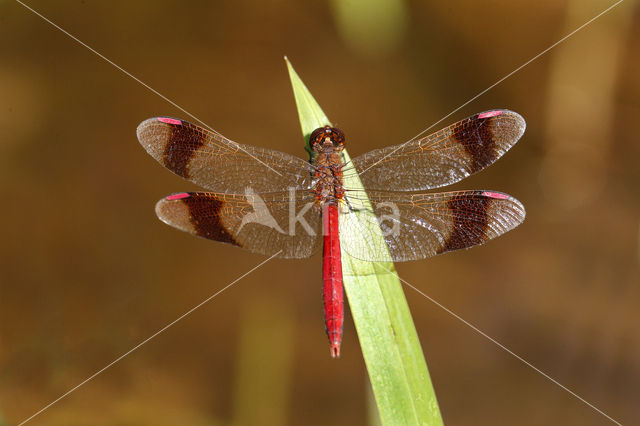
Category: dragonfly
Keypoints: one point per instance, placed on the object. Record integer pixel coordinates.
(276, 204)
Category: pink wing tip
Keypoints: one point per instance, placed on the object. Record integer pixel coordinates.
(490, 114)
(178, 196)
(495, 195)
(169, 120)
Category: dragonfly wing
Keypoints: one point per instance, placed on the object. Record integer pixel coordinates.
(217, 163)
(417, 226)
(444, 157)
(259, 223)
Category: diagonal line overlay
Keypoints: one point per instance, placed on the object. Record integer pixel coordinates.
(143, 84)
(267, 260)
(67, 393)
(504, 348)
(497, 82)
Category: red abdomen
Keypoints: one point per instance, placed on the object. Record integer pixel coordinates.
(332, 278)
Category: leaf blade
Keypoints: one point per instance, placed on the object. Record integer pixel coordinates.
(397, 370)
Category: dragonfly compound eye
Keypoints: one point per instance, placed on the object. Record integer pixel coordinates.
(316, 138)
(337, 137)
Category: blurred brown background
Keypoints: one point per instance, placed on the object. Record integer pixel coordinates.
(87, 271)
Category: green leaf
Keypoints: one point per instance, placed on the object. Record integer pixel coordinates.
(389, 341)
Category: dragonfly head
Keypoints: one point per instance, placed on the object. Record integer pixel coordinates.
(325, 138)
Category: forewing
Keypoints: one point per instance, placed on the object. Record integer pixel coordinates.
(417, 226)
(259, 223)
(442, 158)
(217, 163)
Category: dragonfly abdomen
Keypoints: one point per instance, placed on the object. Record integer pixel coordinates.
(332, 278)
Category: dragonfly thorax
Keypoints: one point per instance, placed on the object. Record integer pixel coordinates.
(327, 143)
